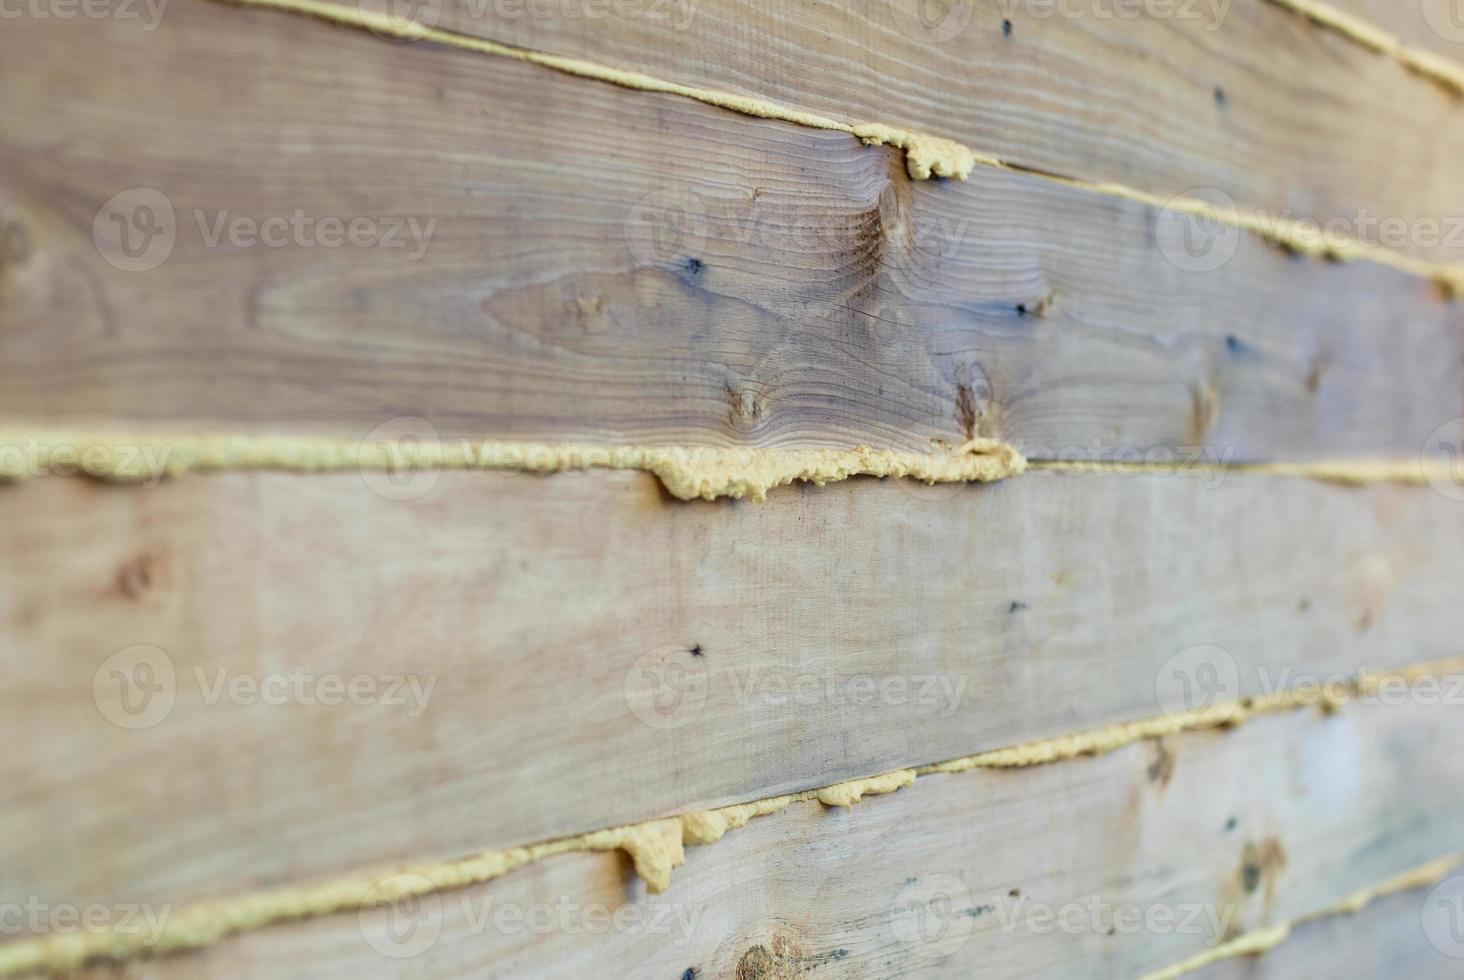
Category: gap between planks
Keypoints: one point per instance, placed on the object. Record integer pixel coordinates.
(687, 472)
(1444, 72)
(1261, 941)
(927, 155)
(656, 847)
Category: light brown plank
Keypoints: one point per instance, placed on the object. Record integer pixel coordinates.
(1238, 95)
(549, 612)
(830, 301)
(949, 877)
(1429, 25)
(1387, 939)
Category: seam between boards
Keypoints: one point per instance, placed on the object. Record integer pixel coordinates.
(656, 847)
(926, 155)
(687, 472)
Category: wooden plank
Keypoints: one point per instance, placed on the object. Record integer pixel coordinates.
(1237, 95)
(1387, 939)
(587, 652)
(824, 300)
(1170, 845)
(1429, 25)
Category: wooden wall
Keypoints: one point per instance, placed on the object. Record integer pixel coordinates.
(547, 257)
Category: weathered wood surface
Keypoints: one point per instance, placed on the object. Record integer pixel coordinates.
(601, 654)
(1198, 835)
(818, 297)
(1243, 96)
(1387, 939)
(1429, 25)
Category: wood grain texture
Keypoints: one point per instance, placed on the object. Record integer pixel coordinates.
(1430, 25)
(1242, 96)
(950, 877)
(1387, 939)
(602, 655)
(816, 298)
